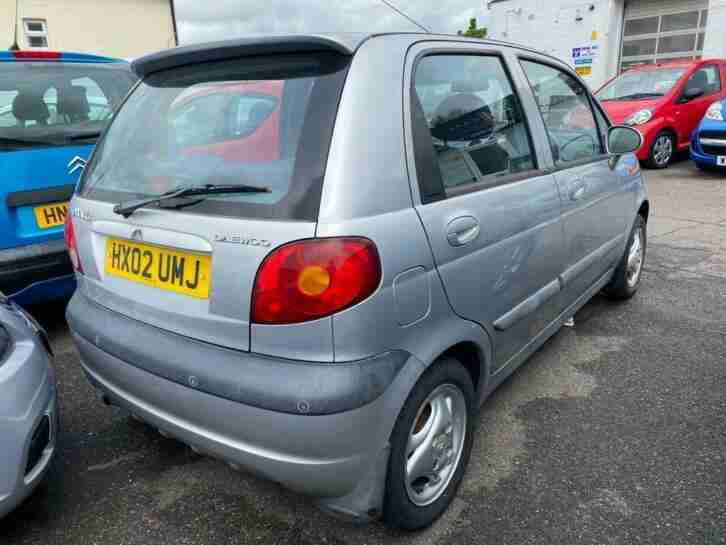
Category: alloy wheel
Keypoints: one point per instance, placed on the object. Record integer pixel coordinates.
(663, 150)
(635, 259)
(435, 444)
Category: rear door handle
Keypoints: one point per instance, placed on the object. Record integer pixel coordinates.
(578, 192)
(462, 230)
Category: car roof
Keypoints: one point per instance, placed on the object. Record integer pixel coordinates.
(55, 56)
(346, 44)
(677, 63)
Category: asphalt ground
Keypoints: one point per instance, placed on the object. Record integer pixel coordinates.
(613, 433)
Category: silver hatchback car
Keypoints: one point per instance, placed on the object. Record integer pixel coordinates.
(314, 257)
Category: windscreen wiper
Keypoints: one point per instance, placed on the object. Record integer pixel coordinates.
(639, 96)
(84, 135)
(125, 209)
(12, 143)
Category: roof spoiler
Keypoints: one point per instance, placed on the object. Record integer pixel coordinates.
(234, 49)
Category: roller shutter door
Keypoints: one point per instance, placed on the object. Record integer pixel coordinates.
(659, 30)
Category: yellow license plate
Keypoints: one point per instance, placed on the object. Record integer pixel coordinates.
(164, 268)
(51, 215)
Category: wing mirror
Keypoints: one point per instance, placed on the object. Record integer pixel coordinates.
(622, 140)
(692, 93)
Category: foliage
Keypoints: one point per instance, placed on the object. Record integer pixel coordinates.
(473, 31)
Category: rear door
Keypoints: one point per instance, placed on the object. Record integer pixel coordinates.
(51, 114)
(491, 214)
(690, 113)
(596, 208)
(189, 265)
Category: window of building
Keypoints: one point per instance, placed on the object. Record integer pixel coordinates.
(36, 32)
(473, 121)
(663, 37)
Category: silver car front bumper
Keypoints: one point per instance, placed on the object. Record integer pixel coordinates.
(28, 412)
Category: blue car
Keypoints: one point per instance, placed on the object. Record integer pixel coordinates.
(708, 142)
(53, 108)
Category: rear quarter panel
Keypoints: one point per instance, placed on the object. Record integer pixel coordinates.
(367, 193)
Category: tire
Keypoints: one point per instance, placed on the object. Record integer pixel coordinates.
(411, 504)
(624, 284)
(662, 150)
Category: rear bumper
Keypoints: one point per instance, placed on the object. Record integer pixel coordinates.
(27, 399)
(24, 267)
(324, 437)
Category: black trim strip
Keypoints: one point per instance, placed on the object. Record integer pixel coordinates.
(528, 306)
(571, 273)
(40, 196)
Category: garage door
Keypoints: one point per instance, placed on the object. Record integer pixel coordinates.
(659, 30)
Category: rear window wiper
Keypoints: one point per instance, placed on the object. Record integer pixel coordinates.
(125, 209)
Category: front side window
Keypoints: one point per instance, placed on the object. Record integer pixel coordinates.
(567, 113)
(48, 104)
(707, 79)
(473, 119)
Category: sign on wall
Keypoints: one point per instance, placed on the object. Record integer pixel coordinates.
(583, 57)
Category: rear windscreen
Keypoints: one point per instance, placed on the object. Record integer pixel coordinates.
(264, 121)
(45, 104)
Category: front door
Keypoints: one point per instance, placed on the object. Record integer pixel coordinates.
(595, 205)
(492, 218)
(690, 113)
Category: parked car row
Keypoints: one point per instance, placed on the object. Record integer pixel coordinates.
(677, 106)
(282, 267)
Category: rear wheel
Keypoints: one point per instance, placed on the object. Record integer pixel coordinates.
(430, 446)
(662, 150)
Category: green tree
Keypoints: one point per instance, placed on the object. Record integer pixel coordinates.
(474, 31)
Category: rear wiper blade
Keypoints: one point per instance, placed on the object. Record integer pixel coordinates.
(125, 209)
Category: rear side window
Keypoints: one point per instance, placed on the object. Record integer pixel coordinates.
(261, 121)
(45, 104)
(473, 120)
(567, 113)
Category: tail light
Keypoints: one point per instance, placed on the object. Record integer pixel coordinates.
(70, 237)
(311, 279)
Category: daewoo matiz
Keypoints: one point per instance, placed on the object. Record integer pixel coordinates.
(327, 304)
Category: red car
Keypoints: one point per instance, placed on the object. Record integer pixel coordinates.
(240, 122)
(666, 102)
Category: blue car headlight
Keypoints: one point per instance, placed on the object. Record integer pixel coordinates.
(715, 112)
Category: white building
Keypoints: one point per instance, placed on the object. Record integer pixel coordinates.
(601, 37)
(118, 28)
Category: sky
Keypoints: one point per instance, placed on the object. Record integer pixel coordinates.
(208, 20)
